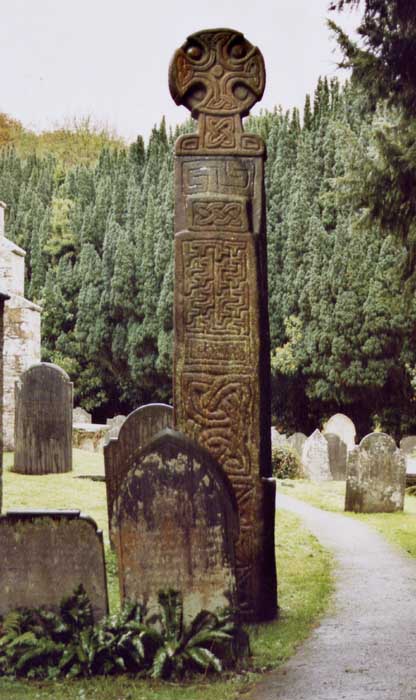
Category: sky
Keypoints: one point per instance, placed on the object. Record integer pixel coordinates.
(109, 60)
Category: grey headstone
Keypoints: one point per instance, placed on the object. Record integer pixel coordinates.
(315, 458)
(337, 451)
(117, 421)
(376, 476)
(408, 444)
(79, 415)
(137, 430)
(297, 441)
(341, 425)
(279, 439)
(175, 521)
(45, 555)
(43, 425)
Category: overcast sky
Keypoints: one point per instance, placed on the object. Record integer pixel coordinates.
(109, 59)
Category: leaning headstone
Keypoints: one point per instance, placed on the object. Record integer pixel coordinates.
(376, 476)
(315, 458)
(297, 441)
(337, 452)
(137, 430)
(221, 336)
(80, 415)
(43, 424)
(341, 425)
(46, 555)
(3, 298)
(174, 525)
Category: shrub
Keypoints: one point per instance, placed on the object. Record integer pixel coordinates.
(286, 463)
(42, 644)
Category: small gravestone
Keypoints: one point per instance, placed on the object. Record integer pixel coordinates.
(376, 476)
(408, 444)
(341, 425)
(315, 458)
(79, 415)
(117, 421)
(297, 441)
(337, 452)
(175, 521)
(278, 439)
(43, 424)
(45, 555)
(137, 430)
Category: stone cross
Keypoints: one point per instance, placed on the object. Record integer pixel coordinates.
(221, 328)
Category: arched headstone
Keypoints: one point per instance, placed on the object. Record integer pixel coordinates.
(43, 423)
(174, 524)
(315, 458)
(337, 452)
(136, 431)
(376, 476)
(341, 425)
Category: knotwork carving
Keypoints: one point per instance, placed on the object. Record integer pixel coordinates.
(218, 75)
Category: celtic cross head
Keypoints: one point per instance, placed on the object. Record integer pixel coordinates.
(217, 72)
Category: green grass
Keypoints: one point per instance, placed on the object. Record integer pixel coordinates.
(398, 528)
(305, 585)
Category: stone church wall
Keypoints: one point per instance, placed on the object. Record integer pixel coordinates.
(21, 327)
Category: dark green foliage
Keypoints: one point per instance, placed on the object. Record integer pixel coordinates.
(286, 463)
(41, 644)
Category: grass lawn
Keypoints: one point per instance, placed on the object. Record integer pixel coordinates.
(305, 585)
(398, 528)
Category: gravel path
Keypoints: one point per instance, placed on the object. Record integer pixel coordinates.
(365, 648)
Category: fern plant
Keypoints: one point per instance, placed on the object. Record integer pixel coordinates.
(44, 644)
(199, 646)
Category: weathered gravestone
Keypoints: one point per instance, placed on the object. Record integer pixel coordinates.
(376, 476)
(408, 447)
(137, 430)
(80, 415)
(221, 330)
(337, 453)
(174, 523)
(408, 444)
(3, 299)
(45, 555)
(297, 441)
(315, 458)
(114, 425)
(43, 423)
(278, 439)
(341, 425)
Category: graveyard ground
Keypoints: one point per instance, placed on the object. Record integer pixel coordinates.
(398, 528)
(305, 585)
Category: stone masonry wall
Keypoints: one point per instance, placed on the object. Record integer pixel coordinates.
(21, 327)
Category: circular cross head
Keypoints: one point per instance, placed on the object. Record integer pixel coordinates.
(217, 72)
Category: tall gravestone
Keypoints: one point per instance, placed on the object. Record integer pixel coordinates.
(221, 330)
(337, 453)
(315, 458)
(341, 425)
(297, 441)
(46, 555)
(3, 299)
(43, 422)
(174, 524)
(376, 476)
(136, 431)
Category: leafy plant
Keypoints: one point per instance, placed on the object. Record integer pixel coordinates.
(43, 644)
(286, 463)
(199, 646)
